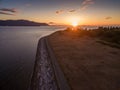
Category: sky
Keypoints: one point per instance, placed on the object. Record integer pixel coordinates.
(85, 12)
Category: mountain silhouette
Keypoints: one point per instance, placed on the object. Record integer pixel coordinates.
(21, 23)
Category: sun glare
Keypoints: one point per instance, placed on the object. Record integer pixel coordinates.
(74, 24)
(73, 20)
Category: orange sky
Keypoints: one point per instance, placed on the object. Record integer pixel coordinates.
(85, 12)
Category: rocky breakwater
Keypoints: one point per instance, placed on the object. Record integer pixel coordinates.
(47, 74)
(43, 76)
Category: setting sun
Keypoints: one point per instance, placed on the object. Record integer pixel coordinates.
(74, 24)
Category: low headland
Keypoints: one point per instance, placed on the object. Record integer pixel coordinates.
(89, 59)
(21, 23)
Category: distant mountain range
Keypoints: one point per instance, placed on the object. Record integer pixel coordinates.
(21, 23)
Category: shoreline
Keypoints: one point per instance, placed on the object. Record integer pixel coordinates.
(47, 75)
(77, 61)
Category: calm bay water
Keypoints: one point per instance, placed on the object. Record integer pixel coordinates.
(17, 54)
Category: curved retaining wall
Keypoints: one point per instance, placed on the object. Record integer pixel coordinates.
(47, 74)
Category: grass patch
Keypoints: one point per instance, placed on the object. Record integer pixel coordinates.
(108, 35)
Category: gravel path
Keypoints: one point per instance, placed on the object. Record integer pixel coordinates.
(43, 76)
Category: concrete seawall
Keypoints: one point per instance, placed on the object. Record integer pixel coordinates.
(47, 74)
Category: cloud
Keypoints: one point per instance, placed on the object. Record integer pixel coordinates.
(59, 11)
(86, 3)
(52, 23)
(72, 10)
(6, 13)
(107, 18)
(13, 10)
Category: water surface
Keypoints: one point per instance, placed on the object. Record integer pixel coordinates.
(17, 54)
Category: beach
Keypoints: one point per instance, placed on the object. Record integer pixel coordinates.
(86, 63)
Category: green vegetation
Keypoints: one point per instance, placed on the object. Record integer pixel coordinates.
(107, 35)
